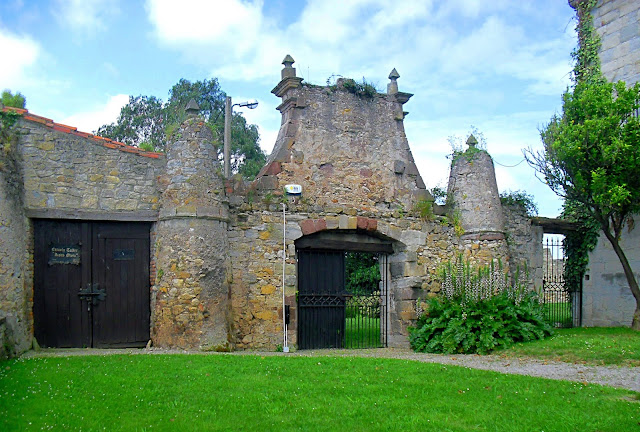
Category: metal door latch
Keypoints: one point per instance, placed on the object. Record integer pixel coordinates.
(92, 293)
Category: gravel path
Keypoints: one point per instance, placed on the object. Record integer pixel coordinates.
(614, 376)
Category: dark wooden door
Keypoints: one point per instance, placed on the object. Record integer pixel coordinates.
(61, 251)
(91, 283)
(121, 265)
(321, 299)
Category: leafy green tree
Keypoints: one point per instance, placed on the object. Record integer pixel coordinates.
(362, 273)
(13, 100)
(148, 122)
(591, 156)
(141, 121)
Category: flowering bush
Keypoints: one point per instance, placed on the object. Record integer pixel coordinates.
(481, 310)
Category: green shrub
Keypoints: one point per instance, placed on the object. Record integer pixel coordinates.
(363, 89)
(480, 311)
(424, 209)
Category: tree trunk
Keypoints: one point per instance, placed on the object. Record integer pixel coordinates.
(631, 278)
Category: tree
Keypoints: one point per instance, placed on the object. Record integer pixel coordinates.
(11, 100)
(591, 156)
(147, 121)
(362, 273)
(141, 121)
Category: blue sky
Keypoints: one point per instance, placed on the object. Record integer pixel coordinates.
(498, 65)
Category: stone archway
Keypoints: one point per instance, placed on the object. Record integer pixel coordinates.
(334, 312)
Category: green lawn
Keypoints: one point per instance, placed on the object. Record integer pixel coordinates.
(559, 314)
(362, 332)
(597, 346)
(228, 392)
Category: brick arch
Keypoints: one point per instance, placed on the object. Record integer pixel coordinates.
(362, 224)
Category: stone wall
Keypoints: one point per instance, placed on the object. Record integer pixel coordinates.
(54, 171)
(606, 297)
(255, 240)
(616, 21)
(16, 281)
(524, 241)
(419, 248)
(218, 259)
(69, 175)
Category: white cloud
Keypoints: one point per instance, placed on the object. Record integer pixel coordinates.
(221, 22)
(90, 120)
(355, 37)
(85, 16)
(20, 54)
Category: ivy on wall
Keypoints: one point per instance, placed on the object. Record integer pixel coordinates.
(578, 244)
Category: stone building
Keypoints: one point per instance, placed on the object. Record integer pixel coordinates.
(606, 298)
(103, 244)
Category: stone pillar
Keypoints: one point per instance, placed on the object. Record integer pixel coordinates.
(473, 193)
(192, 285)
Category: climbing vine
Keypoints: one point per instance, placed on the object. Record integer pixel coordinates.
(9, 166)
(585, 55)
(578, 244)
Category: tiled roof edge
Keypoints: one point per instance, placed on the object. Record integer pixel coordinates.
(105, 142)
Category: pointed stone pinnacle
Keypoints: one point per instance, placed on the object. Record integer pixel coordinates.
(472, 141)
(192, 108)
(394, 75)
(288, 61)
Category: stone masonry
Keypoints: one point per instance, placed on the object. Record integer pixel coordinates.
(54, 171)
(192, 286)
(217, 246)
(351, 157)
(616, 22)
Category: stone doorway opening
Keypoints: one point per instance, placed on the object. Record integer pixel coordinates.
(343, 291)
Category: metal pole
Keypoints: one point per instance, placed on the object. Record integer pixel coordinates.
(285, 340)
(227, 137)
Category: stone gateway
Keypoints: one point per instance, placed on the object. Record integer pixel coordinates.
(103, 244)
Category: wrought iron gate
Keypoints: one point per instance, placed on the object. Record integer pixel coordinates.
(562, 302)
(329, 316)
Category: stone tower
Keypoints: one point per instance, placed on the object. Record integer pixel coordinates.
(473, 193)
(192, 284)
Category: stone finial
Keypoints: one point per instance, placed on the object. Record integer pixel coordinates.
(288, 70)
(472, 141)
(392, 87)
(192, 108)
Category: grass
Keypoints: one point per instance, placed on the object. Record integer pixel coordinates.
(595, 346)
(226, 392)
(559, 313)
(362, 332)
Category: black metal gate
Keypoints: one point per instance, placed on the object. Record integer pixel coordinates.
(329, 316)
(562, 302)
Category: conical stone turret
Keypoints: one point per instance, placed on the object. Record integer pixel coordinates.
(473, 192)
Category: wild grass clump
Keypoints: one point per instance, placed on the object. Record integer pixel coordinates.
(480, 310)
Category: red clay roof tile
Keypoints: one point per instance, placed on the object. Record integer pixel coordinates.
(106, 142)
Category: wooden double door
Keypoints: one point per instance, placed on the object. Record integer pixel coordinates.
(91, 284)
